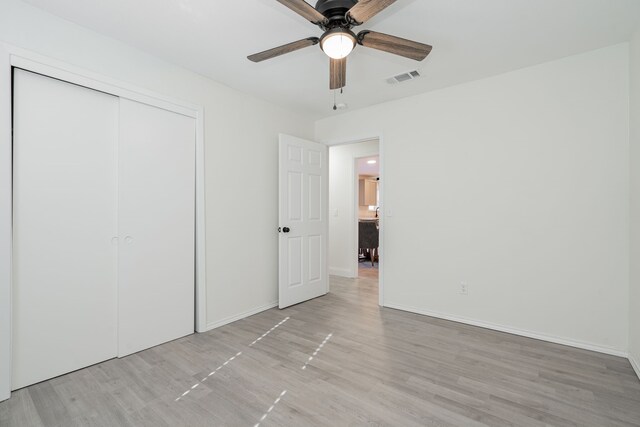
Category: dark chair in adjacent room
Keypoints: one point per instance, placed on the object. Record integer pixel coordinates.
(368, 237)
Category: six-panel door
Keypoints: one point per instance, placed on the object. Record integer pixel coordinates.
(303, 187)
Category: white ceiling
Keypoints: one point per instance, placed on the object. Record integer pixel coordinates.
(472, 39)
(364, 168)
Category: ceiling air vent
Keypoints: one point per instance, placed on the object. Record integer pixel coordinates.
(404, 77)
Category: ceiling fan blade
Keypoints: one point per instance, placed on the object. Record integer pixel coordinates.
(305, 10)
(395, 45)
(338, 73)
(281, 50)
(367, 9)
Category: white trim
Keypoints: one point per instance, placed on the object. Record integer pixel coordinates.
(635, 365)
(381, 221)
(201, 221)
(515, 331)
(6, 228)
(240, 316)
(37, 63)
(341, 272)
(11, 56)
(353, 140)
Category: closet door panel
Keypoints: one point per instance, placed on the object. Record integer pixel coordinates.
(157, 226)
(64, 284)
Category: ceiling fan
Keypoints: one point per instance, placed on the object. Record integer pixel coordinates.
(336, 18)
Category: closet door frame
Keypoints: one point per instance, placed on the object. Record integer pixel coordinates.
(13, 57)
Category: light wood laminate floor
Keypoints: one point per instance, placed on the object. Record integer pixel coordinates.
(369, 366)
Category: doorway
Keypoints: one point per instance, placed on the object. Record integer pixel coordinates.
(355, 206)
(368, 215)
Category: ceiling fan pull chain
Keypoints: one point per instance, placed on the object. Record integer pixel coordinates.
(335, 107)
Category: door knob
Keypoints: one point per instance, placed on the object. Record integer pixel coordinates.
(286, 229)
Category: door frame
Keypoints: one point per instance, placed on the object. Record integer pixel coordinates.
(381, 190)
(10, 57)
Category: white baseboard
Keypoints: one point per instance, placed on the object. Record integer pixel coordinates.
(341, 272)
(515, 331)
(635, 365)
(239, 316)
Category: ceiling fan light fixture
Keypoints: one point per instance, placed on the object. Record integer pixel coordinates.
(338, 43)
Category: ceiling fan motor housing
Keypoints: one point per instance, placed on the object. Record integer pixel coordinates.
(335, 9)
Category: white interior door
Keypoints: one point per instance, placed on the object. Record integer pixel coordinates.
(64, 284)
(156, 265)
(303, 188)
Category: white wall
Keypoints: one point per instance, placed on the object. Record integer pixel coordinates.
(517, 184)
(634, 285)
(342, 205)
(241, 137)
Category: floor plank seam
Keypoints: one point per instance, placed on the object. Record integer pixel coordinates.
(229, 360)
(268, 332)
(266, 414)
(315, 353)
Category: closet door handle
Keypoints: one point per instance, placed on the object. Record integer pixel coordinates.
(128, 240)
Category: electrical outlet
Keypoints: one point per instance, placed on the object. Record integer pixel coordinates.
(464, 288)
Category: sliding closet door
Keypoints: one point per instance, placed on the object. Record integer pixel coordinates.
(64, 284)
(157, 226)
